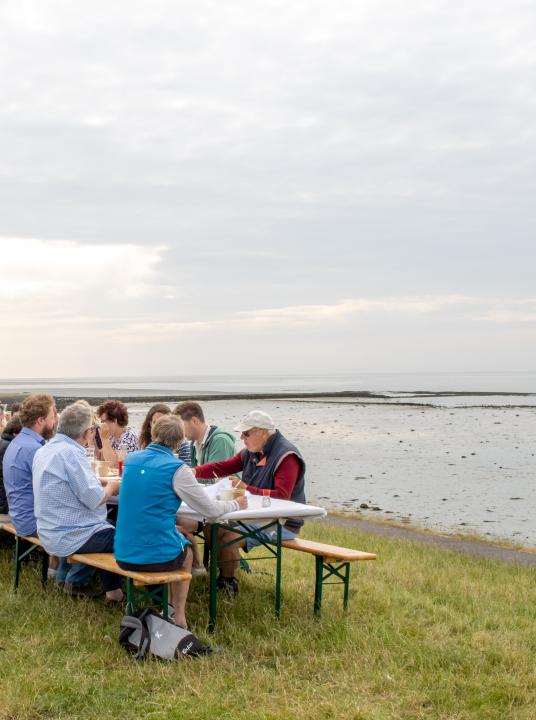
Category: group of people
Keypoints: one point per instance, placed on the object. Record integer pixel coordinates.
(50, 488)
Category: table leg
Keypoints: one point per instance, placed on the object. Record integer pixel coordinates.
(278, 574)
(213, 572)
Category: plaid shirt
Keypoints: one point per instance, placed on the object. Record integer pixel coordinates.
(67, 496)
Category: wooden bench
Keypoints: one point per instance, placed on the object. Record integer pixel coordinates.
(331, 561)
(140, 585)
(22, 552)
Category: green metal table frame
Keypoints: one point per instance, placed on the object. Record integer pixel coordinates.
(243, 532)
(326, 569)
(146, 594)
(19, 554)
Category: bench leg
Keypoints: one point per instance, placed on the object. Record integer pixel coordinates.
(153, 593)
(44, 569)
(346, 585)
(16, 564)
(131, 603)
(341, 571)
(319, 578)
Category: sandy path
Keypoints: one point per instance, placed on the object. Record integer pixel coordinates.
(469, 547)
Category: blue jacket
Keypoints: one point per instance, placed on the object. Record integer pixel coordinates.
(145, 532)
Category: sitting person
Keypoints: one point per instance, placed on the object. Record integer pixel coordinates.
(270, 465)
(117, 438)
(155, 413)
(153, 487)
(12, 428)
(209, 443)
(187, 527)
(38, 417)
(70, 503)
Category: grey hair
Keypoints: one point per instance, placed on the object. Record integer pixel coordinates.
(168, 431)
(75, 420)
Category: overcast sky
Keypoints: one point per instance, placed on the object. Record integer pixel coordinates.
(247, 186)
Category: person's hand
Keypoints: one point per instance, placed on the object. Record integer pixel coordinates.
(237, 484)
(242, 502)
(114, 485)
(104, 431)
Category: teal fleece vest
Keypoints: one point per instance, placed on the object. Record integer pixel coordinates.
(146, 531)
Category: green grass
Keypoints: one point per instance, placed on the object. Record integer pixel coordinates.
(429, 634)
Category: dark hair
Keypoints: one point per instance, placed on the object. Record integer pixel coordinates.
(189, 409)
(145, 433)
(35, 407)
(15, 407)
(14, 426)
(115, 410)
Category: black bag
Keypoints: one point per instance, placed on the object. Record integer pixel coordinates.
(147, 632)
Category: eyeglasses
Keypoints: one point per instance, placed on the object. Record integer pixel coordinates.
(247, 433)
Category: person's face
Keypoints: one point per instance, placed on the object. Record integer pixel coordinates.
(191, 429)
(254, 439)
(50, 424)
(110, 424)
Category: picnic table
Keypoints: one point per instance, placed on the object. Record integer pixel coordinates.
(268, 519)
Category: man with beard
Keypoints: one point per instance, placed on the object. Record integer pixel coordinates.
(39, 418)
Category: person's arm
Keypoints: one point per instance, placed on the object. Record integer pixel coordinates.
(285, 478)
(208, 471)
(189, 490)
(107, 451)
(83, 482)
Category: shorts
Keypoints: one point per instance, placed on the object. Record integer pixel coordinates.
(270, 536)
(175, 564)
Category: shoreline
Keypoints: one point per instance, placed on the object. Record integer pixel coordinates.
(468, 545)
(390, 397)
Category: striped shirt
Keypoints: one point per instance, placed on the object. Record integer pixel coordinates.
(67, 497)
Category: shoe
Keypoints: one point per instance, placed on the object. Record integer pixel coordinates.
(52, 572)
(228, 585)
(82, 591)
(198, 571)
(111, 603)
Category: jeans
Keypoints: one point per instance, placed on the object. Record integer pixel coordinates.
(76, 573)
(103, 542)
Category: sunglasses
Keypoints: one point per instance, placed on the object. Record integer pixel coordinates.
(247, 433)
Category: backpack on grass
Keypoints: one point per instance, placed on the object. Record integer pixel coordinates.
(147, 633)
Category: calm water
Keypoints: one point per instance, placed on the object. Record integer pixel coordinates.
(463, 462)
(456, 469)
(377, 382)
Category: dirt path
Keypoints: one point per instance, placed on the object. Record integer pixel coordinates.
(469, 547)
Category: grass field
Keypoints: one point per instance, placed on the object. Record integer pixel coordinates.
(429, 634)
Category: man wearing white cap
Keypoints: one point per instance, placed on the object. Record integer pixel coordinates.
(270, 465)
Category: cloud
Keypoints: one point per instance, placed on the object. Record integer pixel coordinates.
(46, 282)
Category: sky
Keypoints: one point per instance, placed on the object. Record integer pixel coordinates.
(251, 187)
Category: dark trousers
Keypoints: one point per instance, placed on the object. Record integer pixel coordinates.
(103, 542)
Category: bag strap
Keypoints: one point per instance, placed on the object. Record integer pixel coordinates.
(128, 624)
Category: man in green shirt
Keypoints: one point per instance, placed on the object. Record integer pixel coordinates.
(208, 443)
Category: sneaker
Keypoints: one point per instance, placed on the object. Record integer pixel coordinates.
(198, 571)
(82, 591)
(228, 585)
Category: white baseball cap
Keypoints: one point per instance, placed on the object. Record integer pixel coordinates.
(255, 419)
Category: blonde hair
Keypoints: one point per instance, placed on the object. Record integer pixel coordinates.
(168, 431)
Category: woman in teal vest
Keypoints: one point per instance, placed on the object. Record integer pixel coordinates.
(154, 484)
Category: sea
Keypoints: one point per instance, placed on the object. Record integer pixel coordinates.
(452, 452)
